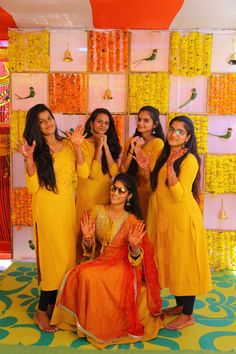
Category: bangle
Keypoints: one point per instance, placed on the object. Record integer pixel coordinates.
(172, 174)
(134, 254)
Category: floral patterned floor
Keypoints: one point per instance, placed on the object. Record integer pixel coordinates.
(215, 315)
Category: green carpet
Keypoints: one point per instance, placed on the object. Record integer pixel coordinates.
(215, 315)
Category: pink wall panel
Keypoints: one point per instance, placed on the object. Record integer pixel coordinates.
(142, 45)
(18, 170)
(221, 51)
(218, 125)
(98, 83)
(212, 207)
(77, 41)
(180, 92)
(21, 84)
(65, 122)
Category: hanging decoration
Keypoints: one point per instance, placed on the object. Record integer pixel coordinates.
(68, 93)
(221, 249)
(28, 51)
(108, 94)
(152, 57)
(21, 201)
(220, 174)
(108, 51)
(30, 95)
(190, 54)
(149, 89)
(222, 214)
(227, 135)
(67, 55)
(192, 98)
(200, 126)
(222, 94)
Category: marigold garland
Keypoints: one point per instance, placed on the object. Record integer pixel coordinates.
(222, 94)
(149, 89)
(17, 124)
(220, 174)
(119, 125)
(29, 51)
(190, 54)
(201, 129)
(68, 93)
(108, 51)
(222, 249)
(21, 203)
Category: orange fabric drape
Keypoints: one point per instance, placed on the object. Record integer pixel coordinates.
(4, 145)
(139, 14)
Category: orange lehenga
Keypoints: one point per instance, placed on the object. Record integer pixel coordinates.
(112, 298)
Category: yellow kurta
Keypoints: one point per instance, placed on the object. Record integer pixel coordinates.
(95, 189)
(176, 229)
(154, 148)
(99, 297)
(54, 220)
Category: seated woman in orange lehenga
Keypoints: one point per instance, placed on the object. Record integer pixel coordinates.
(114, 297)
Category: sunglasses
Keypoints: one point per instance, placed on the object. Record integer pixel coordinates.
(121, 190)
(178, 132)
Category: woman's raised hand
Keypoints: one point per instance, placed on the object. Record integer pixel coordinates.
(136, 234)
(77, 137)
(88, 227)
(142, 159)
(136, 141)
(175, 156)
(26, 150)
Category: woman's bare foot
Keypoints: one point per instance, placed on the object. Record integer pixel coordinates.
(180, 322)
(175, 310)
(42, 320)
(50, 310)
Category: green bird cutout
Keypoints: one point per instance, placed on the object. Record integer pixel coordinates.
(193, 96)
(150, 58)
(227, 135)
(31, 94)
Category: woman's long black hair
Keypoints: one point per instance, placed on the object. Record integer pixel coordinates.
(130, 185)
(42, 157)
(191, 145)
(157, 132)
(112, 137)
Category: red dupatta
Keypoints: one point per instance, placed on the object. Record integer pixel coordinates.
(133, 277)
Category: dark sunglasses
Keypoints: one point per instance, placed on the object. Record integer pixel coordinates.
(121, 190)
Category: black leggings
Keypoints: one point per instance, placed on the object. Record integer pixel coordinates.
(187, 302)
(47, 298)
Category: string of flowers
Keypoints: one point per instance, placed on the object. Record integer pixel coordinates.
(119, 125)
(220, 174)
(149, 89)
(108, 51)
(17, 124)
(29, 51)
(21, 201)
(190, 54)
(222, 94)
(221, 249)
(68, 92)
(201, 129)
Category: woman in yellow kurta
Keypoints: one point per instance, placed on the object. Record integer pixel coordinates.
(114, 297)
(101, 150)
(150, 138)
(177, 229)
(51, 166)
